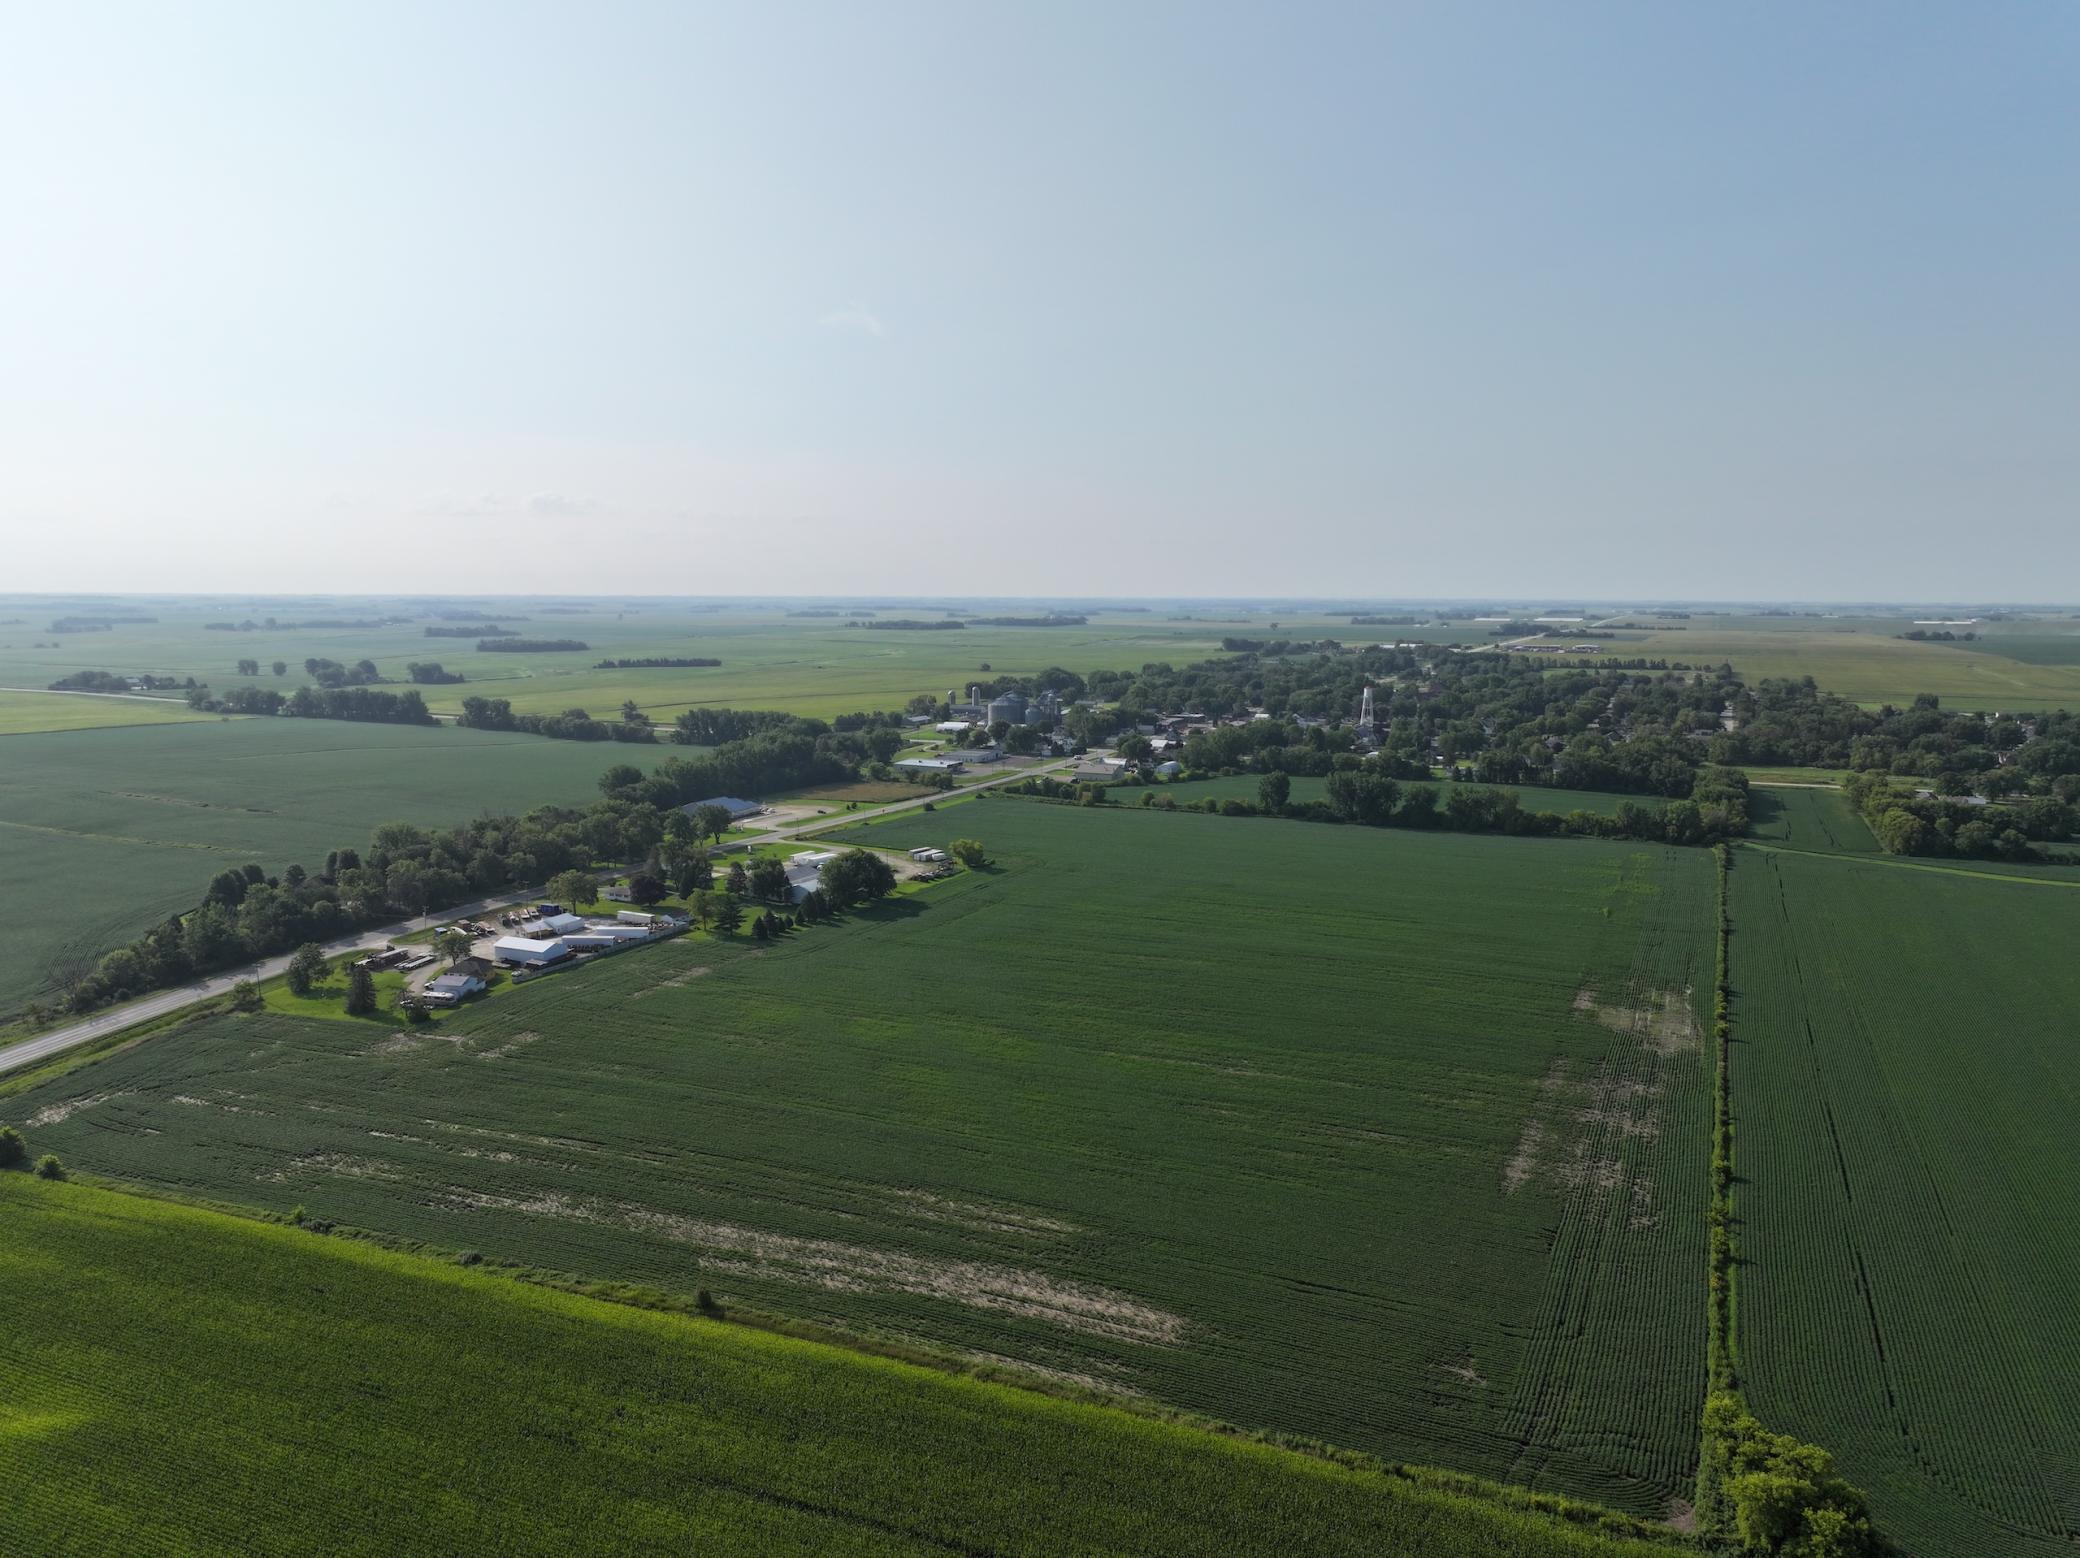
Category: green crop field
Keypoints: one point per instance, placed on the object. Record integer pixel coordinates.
(1394, 1139)
(1245, 787)
(24, 713)
(119, 828)
(1820, 820)
(1909, 1183)
(177, 1380)
(1867, 663)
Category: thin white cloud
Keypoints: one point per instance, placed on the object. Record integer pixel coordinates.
(856, 319)
(559, 505)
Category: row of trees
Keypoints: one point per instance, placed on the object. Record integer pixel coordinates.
(570, 725)
(370, 704)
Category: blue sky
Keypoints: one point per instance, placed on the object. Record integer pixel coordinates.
(1761, 300)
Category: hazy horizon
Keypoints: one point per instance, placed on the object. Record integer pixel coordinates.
(1487, 302)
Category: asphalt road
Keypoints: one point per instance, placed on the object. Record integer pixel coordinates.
(88, 1029)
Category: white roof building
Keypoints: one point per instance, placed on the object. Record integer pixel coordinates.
(529, 952)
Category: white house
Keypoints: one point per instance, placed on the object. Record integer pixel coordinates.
(451, 988)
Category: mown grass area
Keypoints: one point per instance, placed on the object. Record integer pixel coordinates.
(1397, 1140)
(1758, 774)
(27, 713)
(120, 828)
(328, 998)
(182, 1380)
(1908, 1184)
(1246, 787)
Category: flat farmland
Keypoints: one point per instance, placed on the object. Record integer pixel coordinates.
(117, 829)
(415, 1406)
(815, 666)
(1909, 1184)
(1869, 665)
(23, 713)
(1394, 1139)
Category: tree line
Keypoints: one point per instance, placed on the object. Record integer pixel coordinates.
(530, 646)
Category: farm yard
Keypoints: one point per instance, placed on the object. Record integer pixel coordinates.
(121, 828)
(1394, 1139)
(1907, 1160)
(414, 1405)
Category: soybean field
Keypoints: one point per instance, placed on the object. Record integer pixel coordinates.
(1822, 821)
(1393, 1139)
(322, 1396)
(1909, 1179)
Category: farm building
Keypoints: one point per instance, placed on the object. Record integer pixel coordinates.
(528, 952)
(976, 755)
(450, 989)
(928, 765)
(737, 807)
(561, 924)
(594, 937)
(1169, 770)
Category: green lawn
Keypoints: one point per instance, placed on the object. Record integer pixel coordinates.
(1908, 1180)
(1793, 776)
(178, 1380)
(1393, 1139)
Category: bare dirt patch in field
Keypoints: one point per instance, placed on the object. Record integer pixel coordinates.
(981, 1215)
(1662, 1019)
(65, 1109)
(828, 1263)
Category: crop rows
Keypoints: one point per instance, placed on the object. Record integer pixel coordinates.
(1819, 820)
(1910, 1260)
(1393, 1140)
(179, 1380)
